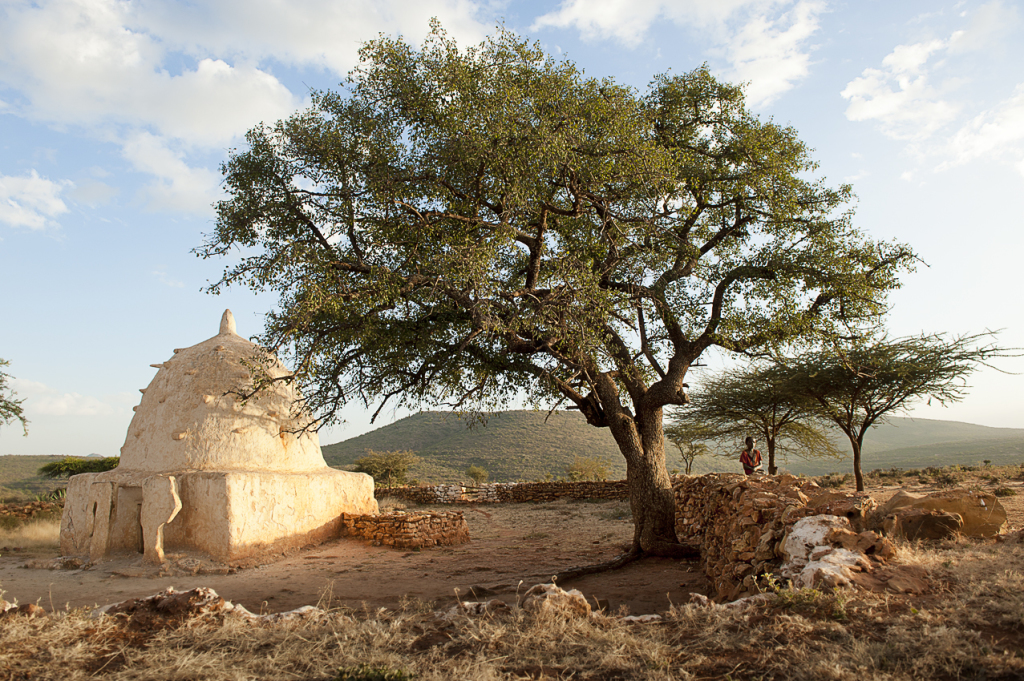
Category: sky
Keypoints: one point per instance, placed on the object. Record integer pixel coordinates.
(116, 115)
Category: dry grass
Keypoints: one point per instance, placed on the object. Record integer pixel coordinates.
(35, 535)
(971, 626)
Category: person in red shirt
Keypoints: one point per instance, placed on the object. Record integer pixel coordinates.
(751, 458)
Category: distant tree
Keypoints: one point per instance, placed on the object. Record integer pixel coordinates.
(691, 438)
(584, 468)
(756, 401)
(465, 226)
(386, 468)
(860, 386)
(10, 408)
(477, 474)
(72, 465)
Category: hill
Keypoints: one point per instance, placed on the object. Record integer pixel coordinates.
(529, 445)
(18, 478)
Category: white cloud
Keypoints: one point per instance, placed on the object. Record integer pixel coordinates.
(764, 42)
(771, 53)
(93, 193)
(319, 33)
(114, 68)
(31, 201)
(42, 400)
(178, 186)
(916, 96)
(995, 133)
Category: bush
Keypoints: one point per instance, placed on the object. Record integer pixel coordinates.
(386, 468)
(586, 468)
(1005, 492)
(72, 465)
(477, 474)
(834, 480)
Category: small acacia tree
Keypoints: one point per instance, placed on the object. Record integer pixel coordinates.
(691, 438)
(462, 227)
(386, 468)
(10, 407)
(757, 400)
(858, 387)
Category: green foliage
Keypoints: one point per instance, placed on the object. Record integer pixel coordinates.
(477, 474)
(386, 468)
(461, 226)
(585, 468)
(71, 465)
(1005, 492)
(368, 672)
(10, 407)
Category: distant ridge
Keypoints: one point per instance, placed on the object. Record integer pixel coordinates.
(529, 445)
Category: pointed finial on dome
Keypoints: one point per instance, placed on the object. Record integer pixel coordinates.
(227, 323)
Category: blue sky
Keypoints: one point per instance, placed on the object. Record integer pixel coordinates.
(115, 117)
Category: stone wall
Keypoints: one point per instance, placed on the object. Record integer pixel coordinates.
(514, 492)
(407, 530)
(739, 522)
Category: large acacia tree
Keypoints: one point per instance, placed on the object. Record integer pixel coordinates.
(460, 227)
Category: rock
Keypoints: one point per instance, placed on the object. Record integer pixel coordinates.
(810, 559)
(855, 507)
(981, 514)
(919, 523)
(549, 598)
(27, 610)
(475, 609)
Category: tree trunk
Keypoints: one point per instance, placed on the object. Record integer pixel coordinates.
(857, 475)
(772, 470)
(651, 499)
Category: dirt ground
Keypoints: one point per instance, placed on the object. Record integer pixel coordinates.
(510, 542)
(513, 547)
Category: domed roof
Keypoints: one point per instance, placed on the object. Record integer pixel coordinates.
(190, 420)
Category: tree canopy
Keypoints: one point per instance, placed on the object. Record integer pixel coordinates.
(859, 386)
(462, 226)
(10, 407)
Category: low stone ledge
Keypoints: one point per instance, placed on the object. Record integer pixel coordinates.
(407, 530)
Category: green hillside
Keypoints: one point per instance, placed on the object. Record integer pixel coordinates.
(18, 479)
(528, 445)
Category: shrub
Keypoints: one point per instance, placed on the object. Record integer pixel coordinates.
(386, 468)
(585, 468)
(834, 480)
(477, 474)
(1005, 492)
(72, 465)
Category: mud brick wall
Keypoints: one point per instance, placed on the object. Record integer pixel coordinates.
(739, 522)
(407, 530)
(514, 492)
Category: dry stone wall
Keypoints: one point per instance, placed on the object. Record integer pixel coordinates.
(407, 530)
(740, 522)
(505, 492)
